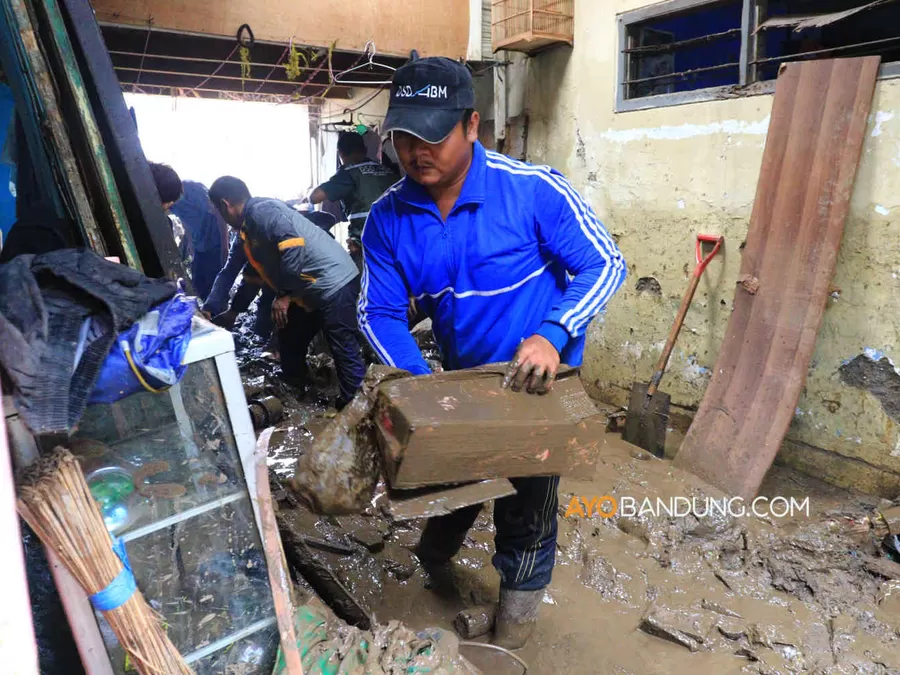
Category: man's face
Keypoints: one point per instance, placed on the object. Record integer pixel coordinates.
(434, 165)
(232, 214)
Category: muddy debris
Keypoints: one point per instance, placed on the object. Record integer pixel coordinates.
(600, 574)
(329, 546)
(718, 609)
(734, 595)
(747, 653)
(765, 590)
(399, 562)
(888, 598)
(340, 471)
(689, 629)
(254, 387)
(814, 564)
(309, 568)
(473, 622)
(363, 576)
(368, 532)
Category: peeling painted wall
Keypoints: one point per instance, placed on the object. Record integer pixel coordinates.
(656, 178)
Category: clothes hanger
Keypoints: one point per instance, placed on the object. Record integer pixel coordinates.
(345, 124)
(370, 64)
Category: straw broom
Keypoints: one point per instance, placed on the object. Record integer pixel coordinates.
(55, 501)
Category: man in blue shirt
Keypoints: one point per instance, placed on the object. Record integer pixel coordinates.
(511, 264)
(205, 229)
(208, 232)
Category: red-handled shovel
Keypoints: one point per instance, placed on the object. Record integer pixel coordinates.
(648, 408)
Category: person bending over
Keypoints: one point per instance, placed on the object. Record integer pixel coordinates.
(315, 281)
(511, 264)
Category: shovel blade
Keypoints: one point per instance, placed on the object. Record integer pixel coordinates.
(647, 419)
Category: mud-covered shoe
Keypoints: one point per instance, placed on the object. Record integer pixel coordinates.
(439, 575)
(516, 617)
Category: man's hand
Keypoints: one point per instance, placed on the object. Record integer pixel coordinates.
(280, 310)
(534, 367)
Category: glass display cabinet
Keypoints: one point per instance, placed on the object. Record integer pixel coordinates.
(173, 474)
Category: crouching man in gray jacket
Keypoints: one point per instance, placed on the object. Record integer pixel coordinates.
(316, 281)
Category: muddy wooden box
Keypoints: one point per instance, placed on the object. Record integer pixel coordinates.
(461, 426)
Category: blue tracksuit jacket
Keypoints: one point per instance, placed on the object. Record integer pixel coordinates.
(520, 253)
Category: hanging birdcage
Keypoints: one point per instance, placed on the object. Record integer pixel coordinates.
(529, 25)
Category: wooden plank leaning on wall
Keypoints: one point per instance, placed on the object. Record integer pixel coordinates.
(809, 165)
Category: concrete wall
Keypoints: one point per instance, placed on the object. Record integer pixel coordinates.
(657, 178)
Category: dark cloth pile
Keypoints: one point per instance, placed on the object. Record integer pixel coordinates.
(59, 315)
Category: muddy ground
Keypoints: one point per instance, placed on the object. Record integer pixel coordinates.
(634, 595)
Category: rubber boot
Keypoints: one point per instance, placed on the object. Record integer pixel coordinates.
(516, 617)
(442, 539)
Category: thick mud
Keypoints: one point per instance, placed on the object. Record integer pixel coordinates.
(638, 594)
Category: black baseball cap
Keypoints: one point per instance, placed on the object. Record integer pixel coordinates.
(428, 97)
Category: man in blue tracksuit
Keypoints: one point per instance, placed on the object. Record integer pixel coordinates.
(511, 264)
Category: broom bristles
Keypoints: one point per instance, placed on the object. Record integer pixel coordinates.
(55, 501)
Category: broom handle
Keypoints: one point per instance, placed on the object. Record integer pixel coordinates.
(683, 310)
(278, 575)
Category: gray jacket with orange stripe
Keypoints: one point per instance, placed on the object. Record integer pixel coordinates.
(292, 255)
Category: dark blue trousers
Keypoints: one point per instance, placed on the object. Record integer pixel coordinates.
(244, 297)
(337, 321)
(525, 540)
(262, 325)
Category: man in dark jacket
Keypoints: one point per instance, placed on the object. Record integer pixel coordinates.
(217, 302)
(357, 184)
(315, 280)
(205, 236)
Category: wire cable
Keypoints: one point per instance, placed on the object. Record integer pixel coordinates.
(137, 80)
(498, 648)
(359, 106)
